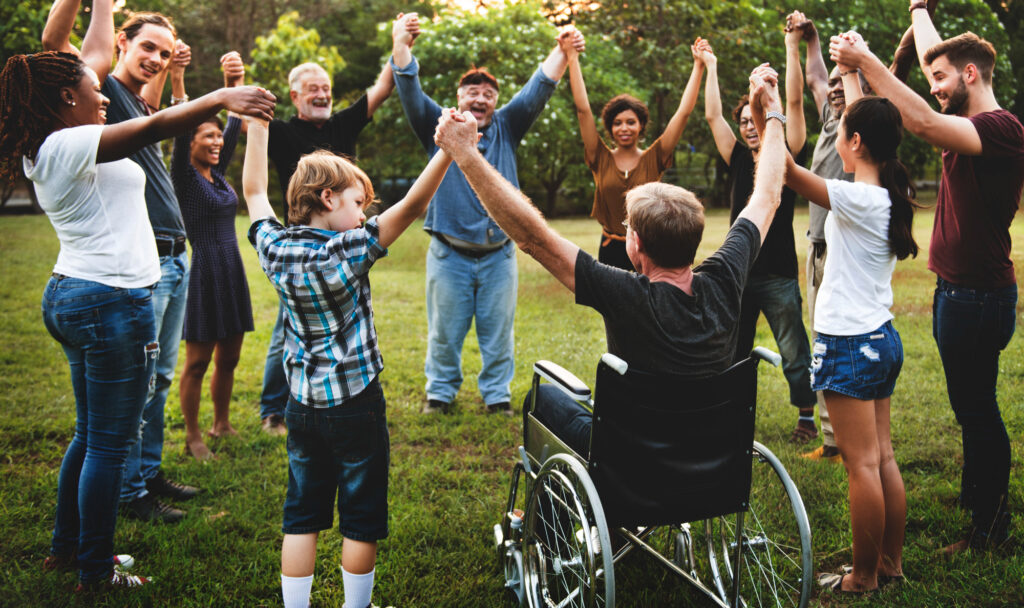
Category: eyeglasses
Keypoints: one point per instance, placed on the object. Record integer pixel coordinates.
(625, 222)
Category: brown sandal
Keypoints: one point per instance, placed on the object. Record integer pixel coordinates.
(803, 434)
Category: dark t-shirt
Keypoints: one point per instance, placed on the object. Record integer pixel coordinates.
(290, 141)
(978, 198)
(659, 328)
(162, 204)
(778, 253)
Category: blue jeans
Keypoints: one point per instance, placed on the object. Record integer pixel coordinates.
(342, 451)
(565, 417)
(779, 299)
(169, 298)
(971, 327)
(109, 337)
(274, 398)
(460, 288)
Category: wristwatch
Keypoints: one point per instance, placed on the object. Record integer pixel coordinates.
(773, 114)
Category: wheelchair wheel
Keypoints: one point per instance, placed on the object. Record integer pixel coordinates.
(776, 569)
(566, 547)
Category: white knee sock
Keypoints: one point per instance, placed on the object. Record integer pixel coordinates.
(295, 590)
(358, 588)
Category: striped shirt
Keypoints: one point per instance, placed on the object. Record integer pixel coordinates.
(331, 351)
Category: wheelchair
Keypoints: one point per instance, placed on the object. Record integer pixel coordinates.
(673, 467)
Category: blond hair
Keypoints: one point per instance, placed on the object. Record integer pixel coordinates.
(669, 221)
(316, 172)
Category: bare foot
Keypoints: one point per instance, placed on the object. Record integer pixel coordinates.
(226, 431)
(199, 450)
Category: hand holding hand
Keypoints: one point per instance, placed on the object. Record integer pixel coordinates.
(701, 50)
(249, 101)
(764, 89)
(180, 59)
(456, 132)
(233, 68)
(405, 29)
(567, 42)
(849, 51)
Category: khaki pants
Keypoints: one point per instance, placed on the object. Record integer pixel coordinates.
(815, 271)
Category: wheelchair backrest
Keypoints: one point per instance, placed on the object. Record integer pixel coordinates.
(669, 449)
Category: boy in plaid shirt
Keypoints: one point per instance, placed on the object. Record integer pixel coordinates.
(338, 437)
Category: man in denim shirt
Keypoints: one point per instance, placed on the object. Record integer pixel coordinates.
(471, 265)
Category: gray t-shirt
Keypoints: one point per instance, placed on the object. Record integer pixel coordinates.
(659, 328)
(826, 164)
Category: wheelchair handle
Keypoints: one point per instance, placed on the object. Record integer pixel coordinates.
(764, 354)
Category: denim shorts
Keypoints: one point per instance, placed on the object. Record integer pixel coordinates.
(863, 367)
(345, 451)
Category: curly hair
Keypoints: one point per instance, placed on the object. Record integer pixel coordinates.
(619, 104)
(29, 98)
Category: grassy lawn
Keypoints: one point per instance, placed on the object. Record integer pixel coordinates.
(450, 474)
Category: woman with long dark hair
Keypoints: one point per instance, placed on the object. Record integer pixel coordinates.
(858, 353)
(97, 304)
(625, 165)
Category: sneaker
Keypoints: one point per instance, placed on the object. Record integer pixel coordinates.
(274, 425)
(148, 508)
(824, 452)
(159, 485)
(435, 406)
(55, 562)
(500, 408)
(118, 580)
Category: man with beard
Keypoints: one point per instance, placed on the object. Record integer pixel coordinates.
(471, 264)
(973, 313)
(314, 127)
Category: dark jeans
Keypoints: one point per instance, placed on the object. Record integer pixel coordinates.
(109, 337)
(614, 254)
(566, 418)
(971, 327)
(274, 397)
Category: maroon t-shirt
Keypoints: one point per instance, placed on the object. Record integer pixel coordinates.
(978, 198)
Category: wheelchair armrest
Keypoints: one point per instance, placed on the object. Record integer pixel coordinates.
(615, 363)
(562, 378)
(764, 354)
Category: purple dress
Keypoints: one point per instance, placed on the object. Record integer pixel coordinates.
(218, 302)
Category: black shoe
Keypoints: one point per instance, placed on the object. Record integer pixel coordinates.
(148, 508)
(435, 406)
(500, 408)
(161, 486)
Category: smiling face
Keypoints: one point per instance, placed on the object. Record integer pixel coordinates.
(480, 100)
(626, 129)
(747, 130)
(207, 142)
(84, 104)
(949, 87)
(836, 92)
(348, 208)
(312, 97)
(145, 55)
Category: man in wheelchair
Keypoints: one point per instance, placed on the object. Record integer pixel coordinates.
(669, 316)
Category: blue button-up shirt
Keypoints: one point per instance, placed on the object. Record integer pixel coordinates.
(455, 210)
(330, 343)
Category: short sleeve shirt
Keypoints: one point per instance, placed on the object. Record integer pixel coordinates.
(331, 351)
(827, 164)
(97, 209)
(611, 184)
(978, 197)
(658, 327)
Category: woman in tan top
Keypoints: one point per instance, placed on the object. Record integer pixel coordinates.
(619, 169)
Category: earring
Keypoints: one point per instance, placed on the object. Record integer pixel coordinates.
(70, 102)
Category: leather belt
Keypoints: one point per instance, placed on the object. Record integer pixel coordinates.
(174, 246)
(470, 253)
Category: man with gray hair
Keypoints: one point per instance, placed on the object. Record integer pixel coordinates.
(314, 127)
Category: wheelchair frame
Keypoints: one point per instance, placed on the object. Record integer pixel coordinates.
(557, 478)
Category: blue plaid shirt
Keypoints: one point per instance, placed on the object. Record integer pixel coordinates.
(331, 351)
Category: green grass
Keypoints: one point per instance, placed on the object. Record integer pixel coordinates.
(450, 474)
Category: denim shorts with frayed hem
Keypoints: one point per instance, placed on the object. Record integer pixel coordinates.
(863, 367)
(341, 451)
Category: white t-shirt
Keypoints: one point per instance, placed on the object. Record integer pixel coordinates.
(856, 291)
(98, 210)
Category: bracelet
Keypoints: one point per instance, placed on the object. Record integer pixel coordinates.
(848, 72)
(176, 100)
(776, 115)
(917, 5)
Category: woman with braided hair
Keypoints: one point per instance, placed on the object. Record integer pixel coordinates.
(98, 302)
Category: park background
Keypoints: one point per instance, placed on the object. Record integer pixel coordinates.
(450, 474)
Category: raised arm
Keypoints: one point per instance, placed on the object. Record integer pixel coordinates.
(507, 205)
(588, 130)
(124, 138)
(153, 91)
(254, 172)
(385, 84)
(59, 23)
(953, 133)
(771, 164)
(925, 34)
(556, 62)
(404, 31)
(98, 44)
(814, 68)
(677, 124)
(725, 139)
(796, 125)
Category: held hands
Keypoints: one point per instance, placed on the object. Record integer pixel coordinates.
(180, 59)
(456, 132)
(405, 29)
(798, 27)
(702, 53)
(233, 68)
(253, 101)
(764, 90)
(571, 42)
(849, 51)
